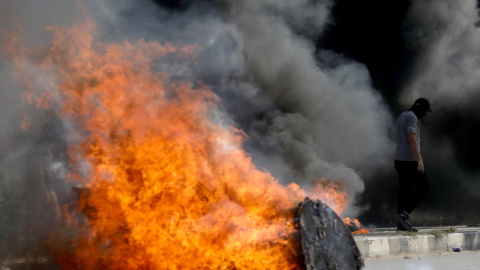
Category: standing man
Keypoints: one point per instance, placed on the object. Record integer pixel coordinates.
(409, 163)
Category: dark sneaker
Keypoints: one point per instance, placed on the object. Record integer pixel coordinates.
(404, 223)
(403, 229)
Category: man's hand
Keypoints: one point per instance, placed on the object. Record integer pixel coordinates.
(420, 167)
(416, 152)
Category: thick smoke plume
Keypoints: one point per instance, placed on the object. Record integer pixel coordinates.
(448, 69)
(308, 113)
(32, 167)
(281, 72)
(447, 72)
(320, 113)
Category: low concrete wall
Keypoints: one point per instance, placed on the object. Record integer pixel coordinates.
(381, 246)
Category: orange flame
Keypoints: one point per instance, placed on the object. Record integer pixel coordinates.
(355, 221)
(361, 231)
(331, 194)
(170, 188)
(349, 221)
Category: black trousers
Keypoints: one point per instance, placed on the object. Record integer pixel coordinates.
(413, 185)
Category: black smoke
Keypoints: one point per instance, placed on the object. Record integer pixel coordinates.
(390, 39)
(379, 34)
(316, 85)
(174, 4)
(372, 33)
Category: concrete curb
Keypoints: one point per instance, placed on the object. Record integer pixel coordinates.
(382, 246)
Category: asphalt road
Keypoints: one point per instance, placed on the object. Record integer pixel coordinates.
(465, 260)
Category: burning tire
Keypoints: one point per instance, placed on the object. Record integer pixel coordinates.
(326, 242)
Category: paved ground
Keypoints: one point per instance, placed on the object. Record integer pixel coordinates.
(465, 260)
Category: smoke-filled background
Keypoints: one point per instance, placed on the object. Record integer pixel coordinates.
(315, 84)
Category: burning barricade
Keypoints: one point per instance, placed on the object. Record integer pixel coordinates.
(166, 187)
(325, 242)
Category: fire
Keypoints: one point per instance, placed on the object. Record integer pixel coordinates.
(335, 198)
(349, 221)
(170, 187)
(361, 231)
(331, 194)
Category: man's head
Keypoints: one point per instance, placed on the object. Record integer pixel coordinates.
(420, 107)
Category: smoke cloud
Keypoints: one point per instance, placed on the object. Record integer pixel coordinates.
(308, 113)
(311, 117)
(413, 49)
(448, 70)
(307, 81)
(32, 167)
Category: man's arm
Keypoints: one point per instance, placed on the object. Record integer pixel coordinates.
(414, 147)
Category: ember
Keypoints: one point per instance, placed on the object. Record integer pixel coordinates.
(169, 188)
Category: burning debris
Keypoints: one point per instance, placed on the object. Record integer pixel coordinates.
(326, 241)
(167, 186)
